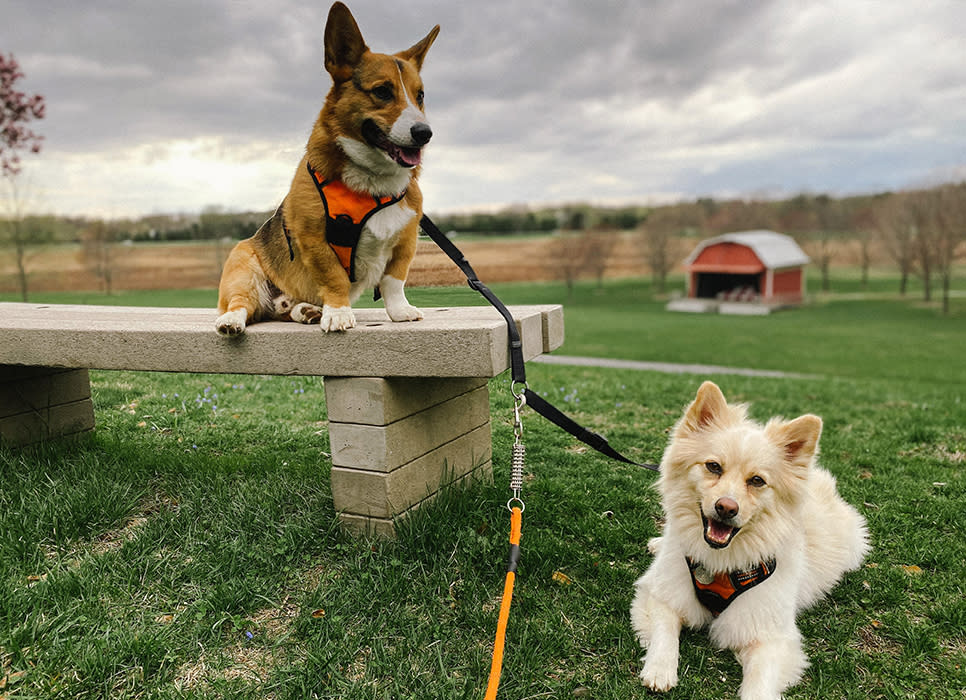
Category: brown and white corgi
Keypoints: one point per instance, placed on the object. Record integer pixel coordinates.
(351, 217)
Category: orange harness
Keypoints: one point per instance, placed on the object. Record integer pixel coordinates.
(716, 592)
(346, 212)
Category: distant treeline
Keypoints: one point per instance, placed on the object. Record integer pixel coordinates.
(522, 219)
(802, 216)
(207, 226)
(215, 224)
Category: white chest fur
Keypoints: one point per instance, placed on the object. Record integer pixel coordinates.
(379, 235)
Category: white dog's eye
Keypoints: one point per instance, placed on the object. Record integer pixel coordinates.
(713, 467)
(756, 481)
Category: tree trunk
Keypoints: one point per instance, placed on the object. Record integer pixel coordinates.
(946, 283)
(20, 246)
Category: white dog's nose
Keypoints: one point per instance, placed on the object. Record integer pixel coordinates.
(726, 508)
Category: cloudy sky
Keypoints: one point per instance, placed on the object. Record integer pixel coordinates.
(177, 105)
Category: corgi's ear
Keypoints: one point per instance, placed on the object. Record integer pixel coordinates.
(707, 407)
(417, 52)
(344, 45)
(798, 439)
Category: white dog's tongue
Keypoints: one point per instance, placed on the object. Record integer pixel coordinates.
(718, 531)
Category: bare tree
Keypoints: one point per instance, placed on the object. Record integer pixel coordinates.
(949, 222)
(567, 259)
(896, 230)
(863, 222)
(659, 232)
(924, 231)
(598, 248)
(98, 241)
(830, 224)
(922, 211)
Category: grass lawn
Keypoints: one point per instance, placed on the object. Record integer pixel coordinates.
(188, 547)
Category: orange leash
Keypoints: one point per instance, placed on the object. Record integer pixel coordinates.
(496, 667)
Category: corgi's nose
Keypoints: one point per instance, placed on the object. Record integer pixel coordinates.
(726, 508)
(420, 133)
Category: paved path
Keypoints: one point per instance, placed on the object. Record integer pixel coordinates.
(667, 367)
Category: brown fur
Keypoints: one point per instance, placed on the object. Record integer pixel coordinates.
(268, 277)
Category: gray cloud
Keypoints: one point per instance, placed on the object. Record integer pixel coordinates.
(549, 101)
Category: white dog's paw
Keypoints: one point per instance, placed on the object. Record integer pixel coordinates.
(654, 545)
(404, 312)
(337, 318)
(303, 312)
(759, 693)
(754, 695)
(231, 322)
(659, 678)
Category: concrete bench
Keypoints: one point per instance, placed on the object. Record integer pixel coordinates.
(407, 403)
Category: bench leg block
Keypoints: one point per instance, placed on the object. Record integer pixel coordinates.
(397, 442)
(43, 403)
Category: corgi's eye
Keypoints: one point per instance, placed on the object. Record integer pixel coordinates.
(382, 92)
(756, 481)
(713, 467)
(420, 96)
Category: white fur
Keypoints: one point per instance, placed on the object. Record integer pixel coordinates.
(401, 131)
(337, 318)
(379, 235)
(369, 169)
(304, 312)
(398, 308)
(232, 322)
(797, 518)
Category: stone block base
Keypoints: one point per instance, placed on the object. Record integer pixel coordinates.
(397, 441)
(42, 403)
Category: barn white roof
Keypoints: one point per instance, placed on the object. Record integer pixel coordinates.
(775, 250)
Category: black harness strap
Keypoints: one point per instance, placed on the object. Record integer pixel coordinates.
(343, 227)
(717, 592)
(517, 365)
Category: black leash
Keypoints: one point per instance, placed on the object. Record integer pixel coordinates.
(517, 365)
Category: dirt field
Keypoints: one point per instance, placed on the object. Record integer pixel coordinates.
(198, 265)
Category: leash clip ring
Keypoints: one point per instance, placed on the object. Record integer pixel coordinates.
(516, 502)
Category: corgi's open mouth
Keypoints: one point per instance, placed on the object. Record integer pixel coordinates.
(716, 533)
(407, 157)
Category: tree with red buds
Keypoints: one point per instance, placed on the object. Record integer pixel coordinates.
(16, 110)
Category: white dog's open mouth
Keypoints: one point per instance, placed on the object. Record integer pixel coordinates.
(716, 533)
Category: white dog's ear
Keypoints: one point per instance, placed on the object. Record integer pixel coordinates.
(798, 439)
(707, 407)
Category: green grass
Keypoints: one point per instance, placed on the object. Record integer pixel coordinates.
(188, 547)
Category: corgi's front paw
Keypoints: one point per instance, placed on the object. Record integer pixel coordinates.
(337, 318)
(231, 322)
(404, 312)
(658, 676)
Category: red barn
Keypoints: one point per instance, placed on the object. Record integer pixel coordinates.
(762, 267)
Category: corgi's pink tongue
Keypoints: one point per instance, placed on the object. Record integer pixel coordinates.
(718, 531)
(407, 157)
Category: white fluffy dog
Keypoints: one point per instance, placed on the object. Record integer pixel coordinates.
(755, 532)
